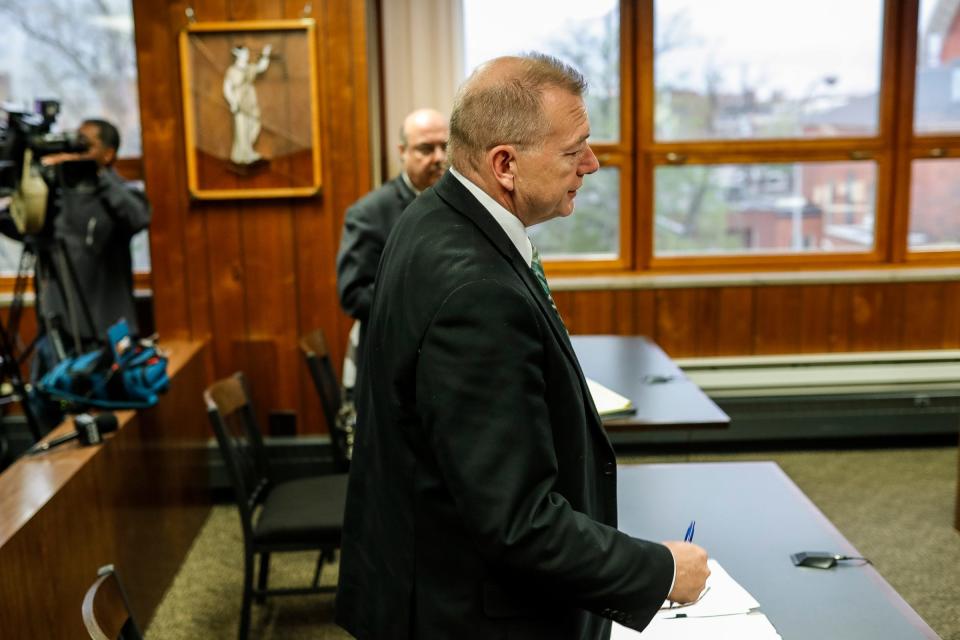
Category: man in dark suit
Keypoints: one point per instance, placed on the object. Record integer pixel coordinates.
(482, 497)
(423, 152)
(367, 225)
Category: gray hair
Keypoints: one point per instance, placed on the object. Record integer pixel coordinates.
(487, 112)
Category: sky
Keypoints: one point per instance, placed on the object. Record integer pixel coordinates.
(26, 85)
(799, 44)
(926, 10)
(530, 24)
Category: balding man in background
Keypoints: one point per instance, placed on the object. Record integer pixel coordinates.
(423, 152)
(366, 227)
(482, 499)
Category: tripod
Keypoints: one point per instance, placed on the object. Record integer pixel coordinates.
(56, 291)
(10, 370)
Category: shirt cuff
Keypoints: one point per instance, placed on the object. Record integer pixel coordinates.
(673, 580)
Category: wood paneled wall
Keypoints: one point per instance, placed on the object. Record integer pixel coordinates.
(745, 320)
(254, 275)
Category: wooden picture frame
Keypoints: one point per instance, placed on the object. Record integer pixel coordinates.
(251, 118)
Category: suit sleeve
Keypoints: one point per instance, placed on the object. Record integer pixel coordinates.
(481, 394)
(357, 260)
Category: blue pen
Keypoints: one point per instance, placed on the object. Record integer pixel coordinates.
(689, 535)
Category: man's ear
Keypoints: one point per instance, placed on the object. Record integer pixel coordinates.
(110, 155)
(503, 161)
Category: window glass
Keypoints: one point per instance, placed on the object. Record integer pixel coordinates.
(593, 231)
(803, 207)
(934, 203)
(584, 34)
(79, 52)
(82, 54)
(750, 69)
(9, 254)
(937, 93)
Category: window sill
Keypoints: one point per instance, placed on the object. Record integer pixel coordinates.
(753, 279)
(6, 298)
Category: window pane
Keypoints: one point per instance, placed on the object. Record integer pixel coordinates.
(812, 207)
(10, 251)
(593, 231)
(758, 69)
(82, 54)
(934, 203)
(937, 97)
(584, 34)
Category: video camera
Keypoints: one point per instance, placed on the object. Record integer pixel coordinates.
(25, 138)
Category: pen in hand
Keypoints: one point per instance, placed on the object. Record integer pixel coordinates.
(688, 537)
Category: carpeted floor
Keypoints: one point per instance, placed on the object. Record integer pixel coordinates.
(895, 505)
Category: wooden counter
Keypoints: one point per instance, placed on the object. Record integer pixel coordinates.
(137, 501)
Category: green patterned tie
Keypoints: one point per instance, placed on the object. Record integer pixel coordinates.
(537, 267)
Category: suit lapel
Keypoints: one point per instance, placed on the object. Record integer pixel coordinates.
(456, 195)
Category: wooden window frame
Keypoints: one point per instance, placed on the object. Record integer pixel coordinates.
(913, 146)
(616, 154)
(892, 148)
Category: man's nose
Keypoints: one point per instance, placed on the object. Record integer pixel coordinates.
(590, 163)
(439, 153)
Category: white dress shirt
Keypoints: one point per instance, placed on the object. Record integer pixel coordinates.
(510, 223)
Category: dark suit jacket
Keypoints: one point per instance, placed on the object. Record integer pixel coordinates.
(366, 228)
(482, 496)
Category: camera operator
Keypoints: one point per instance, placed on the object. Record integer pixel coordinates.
(96, 220)
(96, 226)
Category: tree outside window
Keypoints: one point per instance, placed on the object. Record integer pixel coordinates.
(81, 53)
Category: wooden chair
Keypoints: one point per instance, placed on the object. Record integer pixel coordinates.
(315, 352)
(106, 611)
(294, 515)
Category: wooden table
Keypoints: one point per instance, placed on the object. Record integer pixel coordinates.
(751, 517)
(637, 368)
(136, 501)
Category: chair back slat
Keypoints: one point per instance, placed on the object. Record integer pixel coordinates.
(106, 611)
(314, 348)
(238, 436)
(226, 395)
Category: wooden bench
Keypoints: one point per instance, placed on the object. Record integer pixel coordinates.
(137, 501)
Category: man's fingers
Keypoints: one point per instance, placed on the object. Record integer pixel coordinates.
(690, 561)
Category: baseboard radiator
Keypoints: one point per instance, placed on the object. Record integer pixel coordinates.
(828, 396)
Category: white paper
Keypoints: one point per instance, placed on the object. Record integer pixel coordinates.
(752, 626)
(723, 596)
(725, 611)
(607, 400)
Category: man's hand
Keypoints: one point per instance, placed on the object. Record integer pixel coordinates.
(691, 563)
(57, 158)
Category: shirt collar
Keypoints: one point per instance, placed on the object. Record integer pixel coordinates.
(409, 183)
(510, 223)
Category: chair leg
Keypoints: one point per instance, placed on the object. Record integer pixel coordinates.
(319, 568)
(264, 576)
(248, 561)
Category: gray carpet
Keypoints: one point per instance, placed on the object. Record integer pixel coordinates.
(895, 505)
